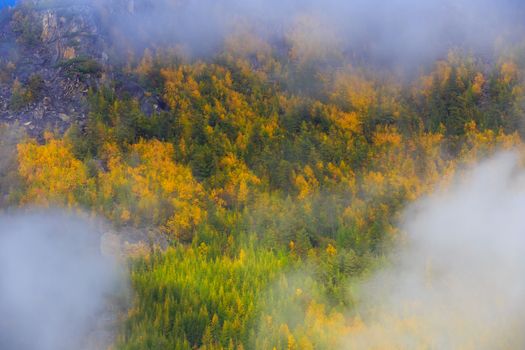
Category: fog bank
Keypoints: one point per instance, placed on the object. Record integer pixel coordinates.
(390, 32)
(54, 283)
(458, 282)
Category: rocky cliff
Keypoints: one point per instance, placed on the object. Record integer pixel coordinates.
(51, 58)
(52, 54)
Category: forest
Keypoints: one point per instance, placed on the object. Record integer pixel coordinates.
(277, 173)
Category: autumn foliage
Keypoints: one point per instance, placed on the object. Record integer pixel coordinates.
(255, 178)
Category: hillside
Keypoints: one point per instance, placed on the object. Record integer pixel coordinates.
(53, 55)
(255, 178)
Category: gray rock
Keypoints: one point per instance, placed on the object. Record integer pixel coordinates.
(38, 113)
(64, 117)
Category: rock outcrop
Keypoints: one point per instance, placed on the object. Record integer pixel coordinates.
(51, 56)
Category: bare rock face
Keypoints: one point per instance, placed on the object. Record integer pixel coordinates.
(49, 26)
(53, 53)
(56, 54)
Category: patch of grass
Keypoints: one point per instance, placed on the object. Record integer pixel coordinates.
(35, 87)
(22, 96)
(80, 66)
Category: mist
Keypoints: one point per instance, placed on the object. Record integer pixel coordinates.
(458, 280)
(55, 284)
(386, 32)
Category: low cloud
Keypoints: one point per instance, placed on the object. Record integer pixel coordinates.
(55, 283)
(388, 32)
(458, 281)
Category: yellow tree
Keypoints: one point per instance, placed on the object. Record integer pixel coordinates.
(150, 188)
(236, 183)
(53, 175)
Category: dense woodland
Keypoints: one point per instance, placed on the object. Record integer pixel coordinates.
(277, 173)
